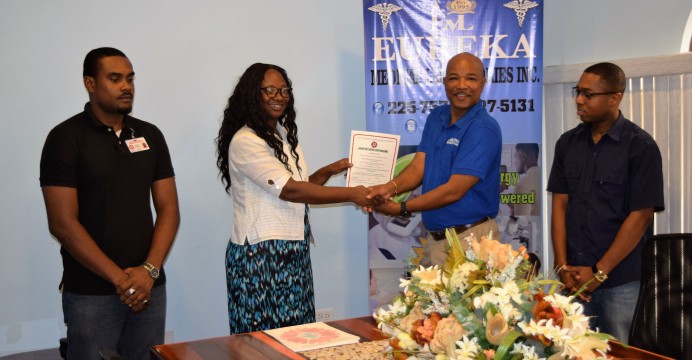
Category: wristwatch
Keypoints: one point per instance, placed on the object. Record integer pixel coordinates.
(153, 271)
(404, 213)
(599, 274)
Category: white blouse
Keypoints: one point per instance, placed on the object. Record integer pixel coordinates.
(257, 178)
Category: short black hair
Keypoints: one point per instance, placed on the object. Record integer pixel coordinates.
(528, 148)
(91, 61)
(611, 74)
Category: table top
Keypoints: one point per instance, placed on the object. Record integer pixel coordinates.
(260, 346)
(256, 345)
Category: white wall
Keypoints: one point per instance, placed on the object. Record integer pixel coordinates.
(586, 31)
(187, 56)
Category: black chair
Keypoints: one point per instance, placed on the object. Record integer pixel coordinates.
(663, 317)
(105, 354)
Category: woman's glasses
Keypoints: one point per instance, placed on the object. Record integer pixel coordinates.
(272, 91)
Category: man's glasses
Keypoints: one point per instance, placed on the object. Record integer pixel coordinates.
(588, 95)
(272, 91)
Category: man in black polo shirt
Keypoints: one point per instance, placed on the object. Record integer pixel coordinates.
(99, 171)
(607, 182)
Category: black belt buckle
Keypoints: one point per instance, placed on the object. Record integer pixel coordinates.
(439, 235)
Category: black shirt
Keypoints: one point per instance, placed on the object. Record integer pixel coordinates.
(604, 183)
(113, 188)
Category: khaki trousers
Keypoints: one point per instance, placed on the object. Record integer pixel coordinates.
(435, 251)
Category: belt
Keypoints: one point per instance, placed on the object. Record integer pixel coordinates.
(440, 234)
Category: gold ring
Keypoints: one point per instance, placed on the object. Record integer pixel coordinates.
(131, 291)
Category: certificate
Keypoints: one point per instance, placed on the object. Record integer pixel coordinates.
(373, 156)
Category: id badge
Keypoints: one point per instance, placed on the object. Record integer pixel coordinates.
(137, 144)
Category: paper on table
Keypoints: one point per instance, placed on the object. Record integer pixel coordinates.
(373, 156)
(311, 336)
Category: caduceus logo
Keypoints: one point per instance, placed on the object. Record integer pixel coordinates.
(520, 7)
(385, 11)
(461, 6)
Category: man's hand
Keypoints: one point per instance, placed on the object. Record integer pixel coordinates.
(586, 276)
(386, 190)
(141, 306)
(574, 278)
(379, 194)
(359, 196)
(389, 208)
(136, 288)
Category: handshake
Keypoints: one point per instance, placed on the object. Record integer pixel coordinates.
(377, 198)
(373, 198)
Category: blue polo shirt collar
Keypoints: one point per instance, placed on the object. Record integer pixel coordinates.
(462, 123)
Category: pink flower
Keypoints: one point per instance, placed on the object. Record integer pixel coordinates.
(499, 252)
(409, 320)
(447, 332)
(545, 310)
(496, 328)
(426, 328)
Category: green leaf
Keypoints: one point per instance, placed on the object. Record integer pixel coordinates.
(507, 344)
(603, 336)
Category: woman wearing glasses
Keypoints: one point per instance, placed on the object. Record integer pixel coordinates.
(268, 269)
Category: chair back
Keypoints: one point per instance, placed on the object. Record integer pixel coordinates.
(663, 315)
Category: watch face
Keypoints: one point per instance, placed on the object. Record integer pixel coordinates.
(154, 273)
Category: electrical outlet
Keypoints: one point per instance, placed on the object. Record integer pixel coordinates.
(168, 337)
(324, 315)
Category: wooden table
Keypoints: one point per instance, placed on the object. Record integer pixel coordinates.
(255, 345)
(259, 346)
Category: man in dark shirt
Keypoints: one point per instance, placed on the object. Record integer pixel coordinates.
(606, 183)
(100, 170)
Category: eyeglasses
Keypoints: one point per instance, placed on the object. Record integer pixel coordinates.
(588, 95)
(272, 91)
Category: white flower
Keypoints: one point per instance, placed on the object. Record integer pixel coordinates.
(546, 328)
(406, 342)
(429, 276)
(403, 283)
(460, 277)
(574, 320)
(584, 347)
(527, 352)
(502, 297)
(513, 291)
(398, 307)
(429, 290)
(468, 348)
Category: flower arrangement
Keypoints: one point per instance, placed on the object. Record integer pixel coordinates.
(486, 303)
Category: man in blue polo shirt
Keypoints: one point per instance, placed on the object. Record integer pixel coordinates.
(457, 162)
(606, 182)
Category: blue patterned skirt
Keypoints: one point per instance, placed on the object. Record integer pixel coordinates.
(269, 284)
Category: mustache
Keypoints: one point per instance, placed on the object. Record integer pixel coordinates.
(125, 94)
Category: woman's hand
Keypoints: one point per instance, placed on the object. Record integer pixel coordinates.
(321, 176)
(338, 166)
(359, 196)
